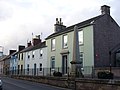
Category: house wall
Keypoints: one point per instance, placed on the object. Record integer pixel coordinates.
(21, 61)
(36, 60)
(106, 37)
(13, 64)
(87, 48)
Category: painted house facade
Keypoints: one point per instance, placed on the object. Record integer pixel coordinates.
(13, 63)
(97, 37)
(35, 57)
(1, 64)
(14, 60)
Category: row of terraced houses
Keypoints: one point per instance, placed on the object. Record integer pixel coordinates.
(99, 43)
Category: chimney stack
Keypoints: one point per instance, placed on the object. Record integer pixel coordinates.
(29, 44)
(11, 51)
(36, 40)
(20, 47)
(105, 9)
(59, 25)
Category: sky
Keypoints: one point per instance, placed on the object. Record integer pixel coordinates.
(20, 20)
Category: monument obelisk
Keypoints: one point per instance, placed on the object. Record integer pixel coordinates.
(75, 63)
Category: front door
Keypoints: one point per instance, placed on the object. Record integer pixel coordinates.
(64, 64)
(35, 69)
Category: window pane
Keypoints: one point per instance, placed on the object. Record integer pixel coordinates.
(33, 54)
(40, 66)
(21, 56)
(27, 67)
(53, 44)
(80, 35)
(53, 62)
(65, 40)
(41, 52)
(81, 58)
(28, 55)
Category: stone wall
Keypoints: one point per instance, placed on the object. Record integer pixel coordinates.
(79, 84)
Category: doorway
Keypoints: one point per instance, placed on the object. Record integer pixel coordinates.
(35, 69)
(64, 64)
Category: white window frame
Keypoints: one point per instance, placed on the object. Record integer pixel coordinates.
(80, 37)
(53, 44)
(41, 53)
(28, 55)
(53, 64)
(33, 54)
(65, 41)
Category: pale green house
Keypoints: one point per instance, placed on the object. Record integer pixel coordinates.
(94, 35)
(60, 48)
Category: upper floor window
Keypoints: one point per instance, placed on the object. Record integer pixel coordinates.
(65, 41)
(16, 56)
(80, 36)
(28, 55)
(21, 56)
(27, 67)
(33, 54)
(41, 52)
(53, 44)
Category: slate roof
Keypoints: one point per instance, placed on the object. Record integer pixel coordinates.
(5, 57)
(80, 25)
(30, 48)
(2, 57)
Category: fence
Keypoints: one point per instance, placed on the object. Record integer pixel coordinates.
(87, 71)
(39, 71)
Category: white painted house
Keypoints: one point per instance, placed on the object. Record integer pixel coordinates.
(35, 56)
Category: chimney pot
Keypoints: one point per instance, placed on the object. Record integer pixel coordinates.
(57, 22)
(29, 44)
(105, 9)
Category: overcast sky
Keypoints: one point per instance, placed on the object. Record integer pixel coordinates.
(20, 18)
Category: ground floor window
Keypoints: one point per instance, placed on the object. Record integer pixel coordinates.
(40, 66)
(52, 62)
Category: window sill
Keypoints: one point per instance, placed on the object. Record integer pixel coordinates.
(81, 44)
(52, 50)
(65, 47)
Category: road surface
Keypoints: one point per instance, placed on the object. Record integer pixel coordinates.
(14, 84)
